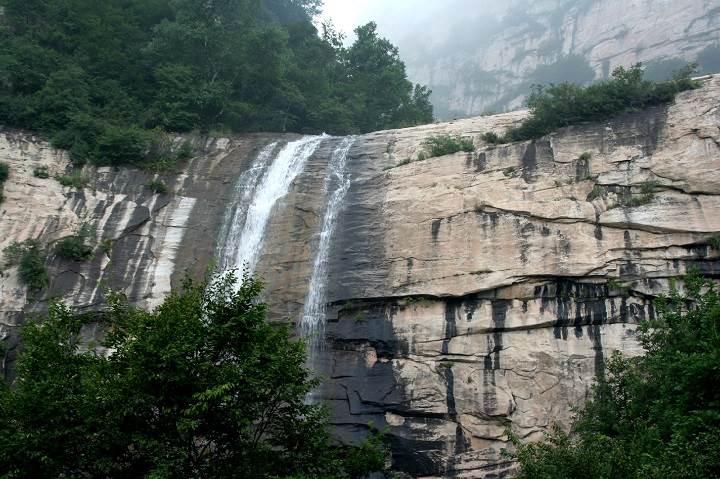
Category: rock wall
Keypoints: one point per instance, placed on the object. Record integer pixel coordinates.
(466, 293)
(493, 69)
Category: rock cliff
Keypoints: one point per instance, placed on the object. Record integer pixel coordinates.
(461, 294)
(492, 68)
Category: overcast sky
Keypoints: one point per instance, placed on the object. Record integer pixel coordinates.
(346, 14)
(413, 24)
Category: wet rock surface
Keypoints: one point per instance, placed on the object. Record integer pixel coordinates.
(466, 293)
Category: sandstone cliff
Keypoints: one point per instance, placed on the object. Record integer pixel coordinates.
(464, 293)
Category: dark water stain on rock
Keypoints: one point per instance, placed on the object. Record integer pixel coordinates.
(626, 239)
(435, 229)
(451, 309)
(629, 268)
(461, 442)
(471, 305)
(529, 161)
(582, 169)
(595, 335)
(598, 232)
(476, 161)
(499, 315)
(623, 310)
(489, 399)
(526, 231)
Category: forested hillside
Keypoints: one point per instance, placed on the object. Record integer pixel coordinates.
(107, 79)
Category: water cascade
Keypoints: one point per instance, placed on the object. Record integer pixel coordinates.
(313, 318)
(246, 220)
(234, 221)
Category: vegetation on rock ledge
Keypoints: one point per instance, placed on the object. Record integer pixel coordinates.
(442, 145)
(567, 104)
(29, 257)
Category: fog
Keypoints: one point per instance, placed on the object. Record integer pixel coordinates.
(420, 28)
(481, 56)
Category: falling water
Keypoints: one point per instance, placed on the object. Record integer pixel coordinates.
(243, 241)
(232, 226)
(313, 320)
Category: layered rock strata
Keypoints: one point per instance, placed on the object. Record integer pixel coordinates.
(466, 293)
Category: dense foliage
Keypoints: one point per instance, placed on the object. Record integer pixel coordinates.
(201, 387)
(655, 416)
(29, 257)
(447, 144)
(105, 79)
(557, 106)
(78, 246)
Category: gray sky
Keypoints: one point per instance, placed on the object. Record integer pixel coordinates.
(415, 25)
(347, 14)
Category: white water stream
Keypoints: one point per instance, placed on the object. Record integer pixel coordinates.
(257, 191)
(312, 324)
(256, 198)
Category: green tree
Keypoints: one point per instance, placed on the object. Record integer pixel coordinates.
(87, 73)
(201, 387)
(377, 82)
(654, 416)
(29, 257)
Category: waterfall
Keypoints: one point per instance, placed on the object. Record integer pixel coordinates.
(234, 220)
(312, 323)
(246, 220)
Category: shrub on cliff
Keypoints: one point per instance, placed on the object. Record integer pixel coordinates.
(78, 246)
(74, 179)
(29, 257)
(441, 145)
(567, 104)
(654, 416)
(203, 386)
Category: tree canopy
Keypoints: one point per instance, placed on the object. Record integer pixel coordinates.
(104, 79)
(655, 416)
(201, 387)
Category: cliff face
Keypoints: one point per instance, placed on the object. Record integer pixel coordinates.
(494, 71)
(460, 295)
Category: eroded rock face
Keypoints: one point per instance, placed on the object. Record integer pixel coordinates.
(144, 243)
(466, 293)
(487, 289)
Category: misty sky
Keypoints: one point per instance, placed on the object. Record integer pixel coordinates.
(414, 25)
